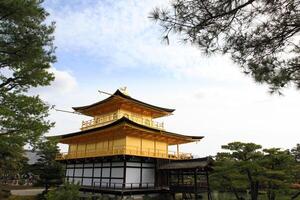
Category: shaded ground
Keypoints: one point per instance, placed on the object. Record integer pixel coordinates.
(22, 198)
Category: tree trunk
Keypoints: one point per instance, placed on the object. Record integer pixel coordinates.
(46, 186)
(253, 186)
(271, 195)
(236, 194)
(254, 190)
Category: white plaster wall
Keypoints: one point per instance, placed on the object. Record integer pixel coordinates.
(97, 172)
(118, 183)
(104, 182)
(148, 165)
(97, 164)
(87, 182)
(133, 164)
(148, 176)
(69, 172)
(106, 164)
(132, 176)
(117, 164)
(106, 172)
(117, 172)
(70, 165)
(96, 181)
(78, 172)
(88, 165)
(88, 172)
(79, 165)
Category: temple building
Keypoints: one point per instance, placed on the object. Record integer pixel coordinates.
(122, 150)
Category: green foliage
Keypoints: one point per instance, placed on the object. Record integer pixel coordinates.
(11, 157)
(23, 117)
(296, 152)
(261, 36)
(296, 170)
(247, 167)
(276, 177)
(47, 168)
(67, 192)
(26, 45)
(26, 54)
(235, 170)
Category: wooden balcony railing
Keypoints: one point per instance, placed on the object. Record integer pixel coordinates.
(106, 185)
(103, 120)
(124, 150)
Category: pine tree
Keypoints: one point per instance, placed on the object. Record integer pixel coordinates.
(26, 54)
(261, 36)
(246, 167)
(48, 169)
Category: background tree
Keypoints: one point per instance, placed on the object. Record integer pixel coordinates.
(262, 36)
(296, 152)
(11, 157)
(240, 168)
(26, 52)
(296, 171)
(48, 169)
(277, 176)
(245, 166)
(226, 177)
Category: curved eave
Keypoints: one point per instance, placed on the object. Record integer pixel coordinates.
(126, 121)
(196, 163)
(119, 94)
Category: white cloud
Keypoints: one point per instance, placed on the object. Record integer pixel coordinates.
(228, 108)
(64, 81)
(123, 33)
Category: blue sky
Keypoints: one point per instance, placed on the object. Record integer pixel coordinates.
(109, 44)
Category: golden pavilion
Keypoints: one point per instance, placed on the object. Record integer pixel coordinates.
(123, 150)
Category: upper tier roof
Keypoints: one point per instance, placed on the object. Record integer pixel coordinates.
(119, 98)
(181, 139)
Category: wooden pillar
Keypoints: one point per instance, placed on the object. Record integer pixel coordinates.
(101, 174)
(141, 173)
(76, 150)
(168, 178)
(66, 170)
(182, 177)
(177, 150)
(93, 170)
(141, 146)
(195, 179)
(155, 147)
(110, 169)
(124, 174)
(74, 168)
(82, 174)
(208, 187)
(195, 184)
(167, 150)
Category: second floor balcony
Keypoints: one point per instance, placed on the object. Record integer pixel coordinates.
(125, 150)
(106, 119)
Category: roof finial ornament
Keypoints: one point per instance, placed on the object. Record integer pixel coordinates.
(124, 90)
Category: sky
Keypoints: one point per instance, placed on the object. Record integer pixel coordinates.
(105, 45)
